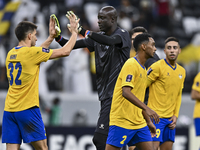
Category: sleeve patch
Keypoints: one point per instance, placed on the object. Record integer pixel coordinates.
(197, 83)
(129, 78)
(149, 71)
(45, 50)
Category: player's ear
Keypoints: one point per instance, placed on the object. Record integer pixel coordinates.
(143, 46)
(29, 36)
(179, 50)
(165, 51)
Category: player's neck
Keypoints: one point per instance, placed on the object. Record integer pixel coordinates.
(141, 59)
(114, 27)
(171, 62)
(24, 43)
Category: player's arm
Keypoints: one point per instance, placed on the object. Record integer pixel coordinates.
(126, 92)
(102, 39)
(52, 34)
(62, 41)
(66, 49)
(149, 124)
(176, 111)
(153, 73)
(178, 104)
(195, 95)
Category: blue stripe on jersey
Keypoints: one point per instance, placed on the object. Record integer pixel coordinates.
(170, 65)
(139, 63)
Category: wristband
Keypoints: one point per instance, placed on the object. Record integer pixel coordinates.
(86, 33)
(59, 38)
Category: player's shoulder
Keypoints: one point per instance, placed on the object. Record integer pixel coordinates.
(121, 31)
(197, 76)
(131, 60)
(180, 67)
(158, 63)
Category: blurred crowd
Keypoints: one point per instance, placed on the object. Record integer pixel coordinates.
(76, 74)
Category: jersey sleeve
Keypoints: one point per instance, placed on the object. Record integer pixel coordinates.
(153, 73)
(196, 83)
(128, 74)
(89, 44)
(40, 54)
(126, 42)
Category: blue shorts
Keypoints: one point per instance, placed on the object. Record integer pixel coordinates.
(120, 137)
(26, 125)
(163, 133)
(197, 126)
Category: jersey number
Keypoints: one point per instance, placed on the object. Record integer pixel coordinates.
(124, 138)
(157, 133)
(11, 67)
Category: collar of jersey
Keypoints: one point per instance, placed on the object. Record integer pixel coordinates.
(139, 63)
(170, 65)
(18, 47)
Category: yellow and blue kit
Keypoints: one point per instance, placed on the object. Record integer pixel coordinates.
(196, 113)
(165, 92)
(126, 119)
(21, 111)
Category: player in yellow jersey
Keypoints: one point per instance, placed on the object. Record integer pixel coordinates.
(127, 123)
(134, 32)
(166, 81)
(22, 118)
(195, 94)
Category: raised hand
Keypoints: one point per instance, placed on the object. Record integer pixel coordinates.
(74, 22)
(56, 24)
(52, 30)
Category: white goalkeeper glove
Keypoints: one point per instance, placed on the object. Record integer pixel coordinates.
(68, 25)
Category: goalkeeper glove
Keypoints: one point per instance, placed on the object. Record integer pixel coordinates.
(57, 25)
(69, 13)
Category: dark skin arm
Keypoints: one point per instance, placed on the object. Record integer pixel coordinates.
(195, 95)
(126, 92)
(150, 124)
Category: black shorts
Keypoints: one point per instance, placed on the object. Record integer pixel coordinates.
(104, 115)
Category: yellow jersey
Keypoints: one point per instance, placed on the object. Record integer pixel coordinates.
(123, 113)
(196, 86)
(23, 64)
(165, 88)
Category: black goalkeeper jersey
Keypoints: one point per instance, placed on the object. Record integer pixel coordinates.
(109, 61)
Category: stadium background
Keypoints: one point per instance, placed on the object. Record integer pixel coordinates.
(78, 105)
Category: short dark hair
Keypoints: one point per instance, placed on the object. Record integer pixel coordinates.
(23, 28)
(111, 11)
(171, 39)
(138, 29)
(140, 39)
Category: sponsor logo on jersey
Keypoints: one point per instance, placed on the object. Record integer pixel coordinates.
(197, 84)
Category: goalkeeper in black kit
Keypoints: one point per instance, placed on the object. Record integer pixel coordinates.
(112, 48)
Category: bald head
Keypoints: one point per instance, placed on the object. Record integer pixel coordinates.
(110, 11)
